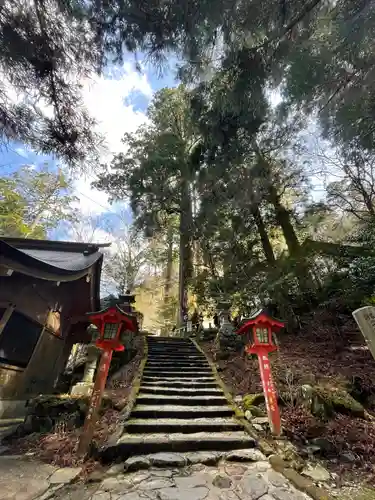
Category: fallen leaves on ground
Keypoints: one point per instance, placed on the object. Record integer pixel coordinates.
(59, 447)
(327, 349)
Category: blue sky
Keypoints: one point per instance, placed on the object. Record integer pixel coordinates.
(118, 101)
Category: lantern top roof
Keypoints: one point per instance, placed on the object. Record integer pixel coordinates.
(113, 314)
(127, 297)
(262, 318)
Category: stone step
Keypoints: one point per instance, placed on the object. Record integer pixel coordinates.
(170, 343)
(171, 340)
(177, 367)
(175, 350)
(202, 382)
(179, 411)
(182, 359)
(179, 363)
(182, 400)
(177, 357)
(141, 444)
(7, 422)
(161, 368)
(191, 374)
(184, 426)
(161, 389)
(174, 355)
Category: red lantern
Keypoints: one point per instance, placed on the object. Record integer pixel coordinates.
(259, 330)
(111, 323)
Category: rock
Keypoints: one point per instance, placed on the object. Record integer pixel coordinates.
(324, 401)
(32, 489)
(316, 473)
(131, 496)
(115, 470)
(163, 473)
(260, 420)
(222, 481)
(137, 477)
(309, 451)
(155, 484)
(323, 444)
(256, 412)
(202, 457)
(276, 479)
(306, 396)
(343, 402)
(167, 459)
(253, 487)
(348, 456)
(279, 494)
(50, 493)
(262, 466)
(258, 427)
(197, 467)
(277, 462)
(248, 455)
(190, 481)
(65, 475)
(178, 494)
(101, 495)
(238, 399)
(248, 415)
(33, 423)
(253, 400)
(115, 485)
(235, 470)
(96, 476)
(136, 463)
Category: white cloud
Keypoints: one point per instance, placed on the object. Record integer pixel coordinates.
(104, 97)
(91, 201)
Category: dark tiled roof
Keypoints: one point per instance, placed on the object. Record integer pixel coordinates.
(52, 257)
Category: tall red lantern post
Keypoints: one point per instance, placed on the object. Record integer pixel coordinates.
(111, 323)
(259, 330)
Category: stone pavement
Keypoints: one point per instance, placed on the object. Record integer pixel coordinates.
(227, 481)
(24, 479)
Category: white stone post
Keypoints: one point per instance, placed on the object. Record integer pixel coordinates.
(365, 319)
(85, 386)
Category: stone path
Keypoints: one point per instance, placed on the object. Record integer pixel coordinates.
(24, 479)
(181, 442)
(180, 406)
(227, 481)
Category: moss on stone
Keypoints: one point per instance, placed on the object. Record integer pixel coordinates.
(252, 400)
(256, 412)
(338, 400)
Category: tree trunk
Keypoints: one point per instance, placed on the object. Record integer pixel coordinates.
(169, 266)
(266, 244)
(185, 268)
(283, 219)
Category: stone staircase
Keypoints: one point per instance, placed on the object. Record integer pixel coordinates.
(8, 426)
(180, 407)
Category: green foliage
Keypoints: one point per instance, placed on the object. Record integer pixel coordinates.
(34, 201)
(46, 48)
(330, 71)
